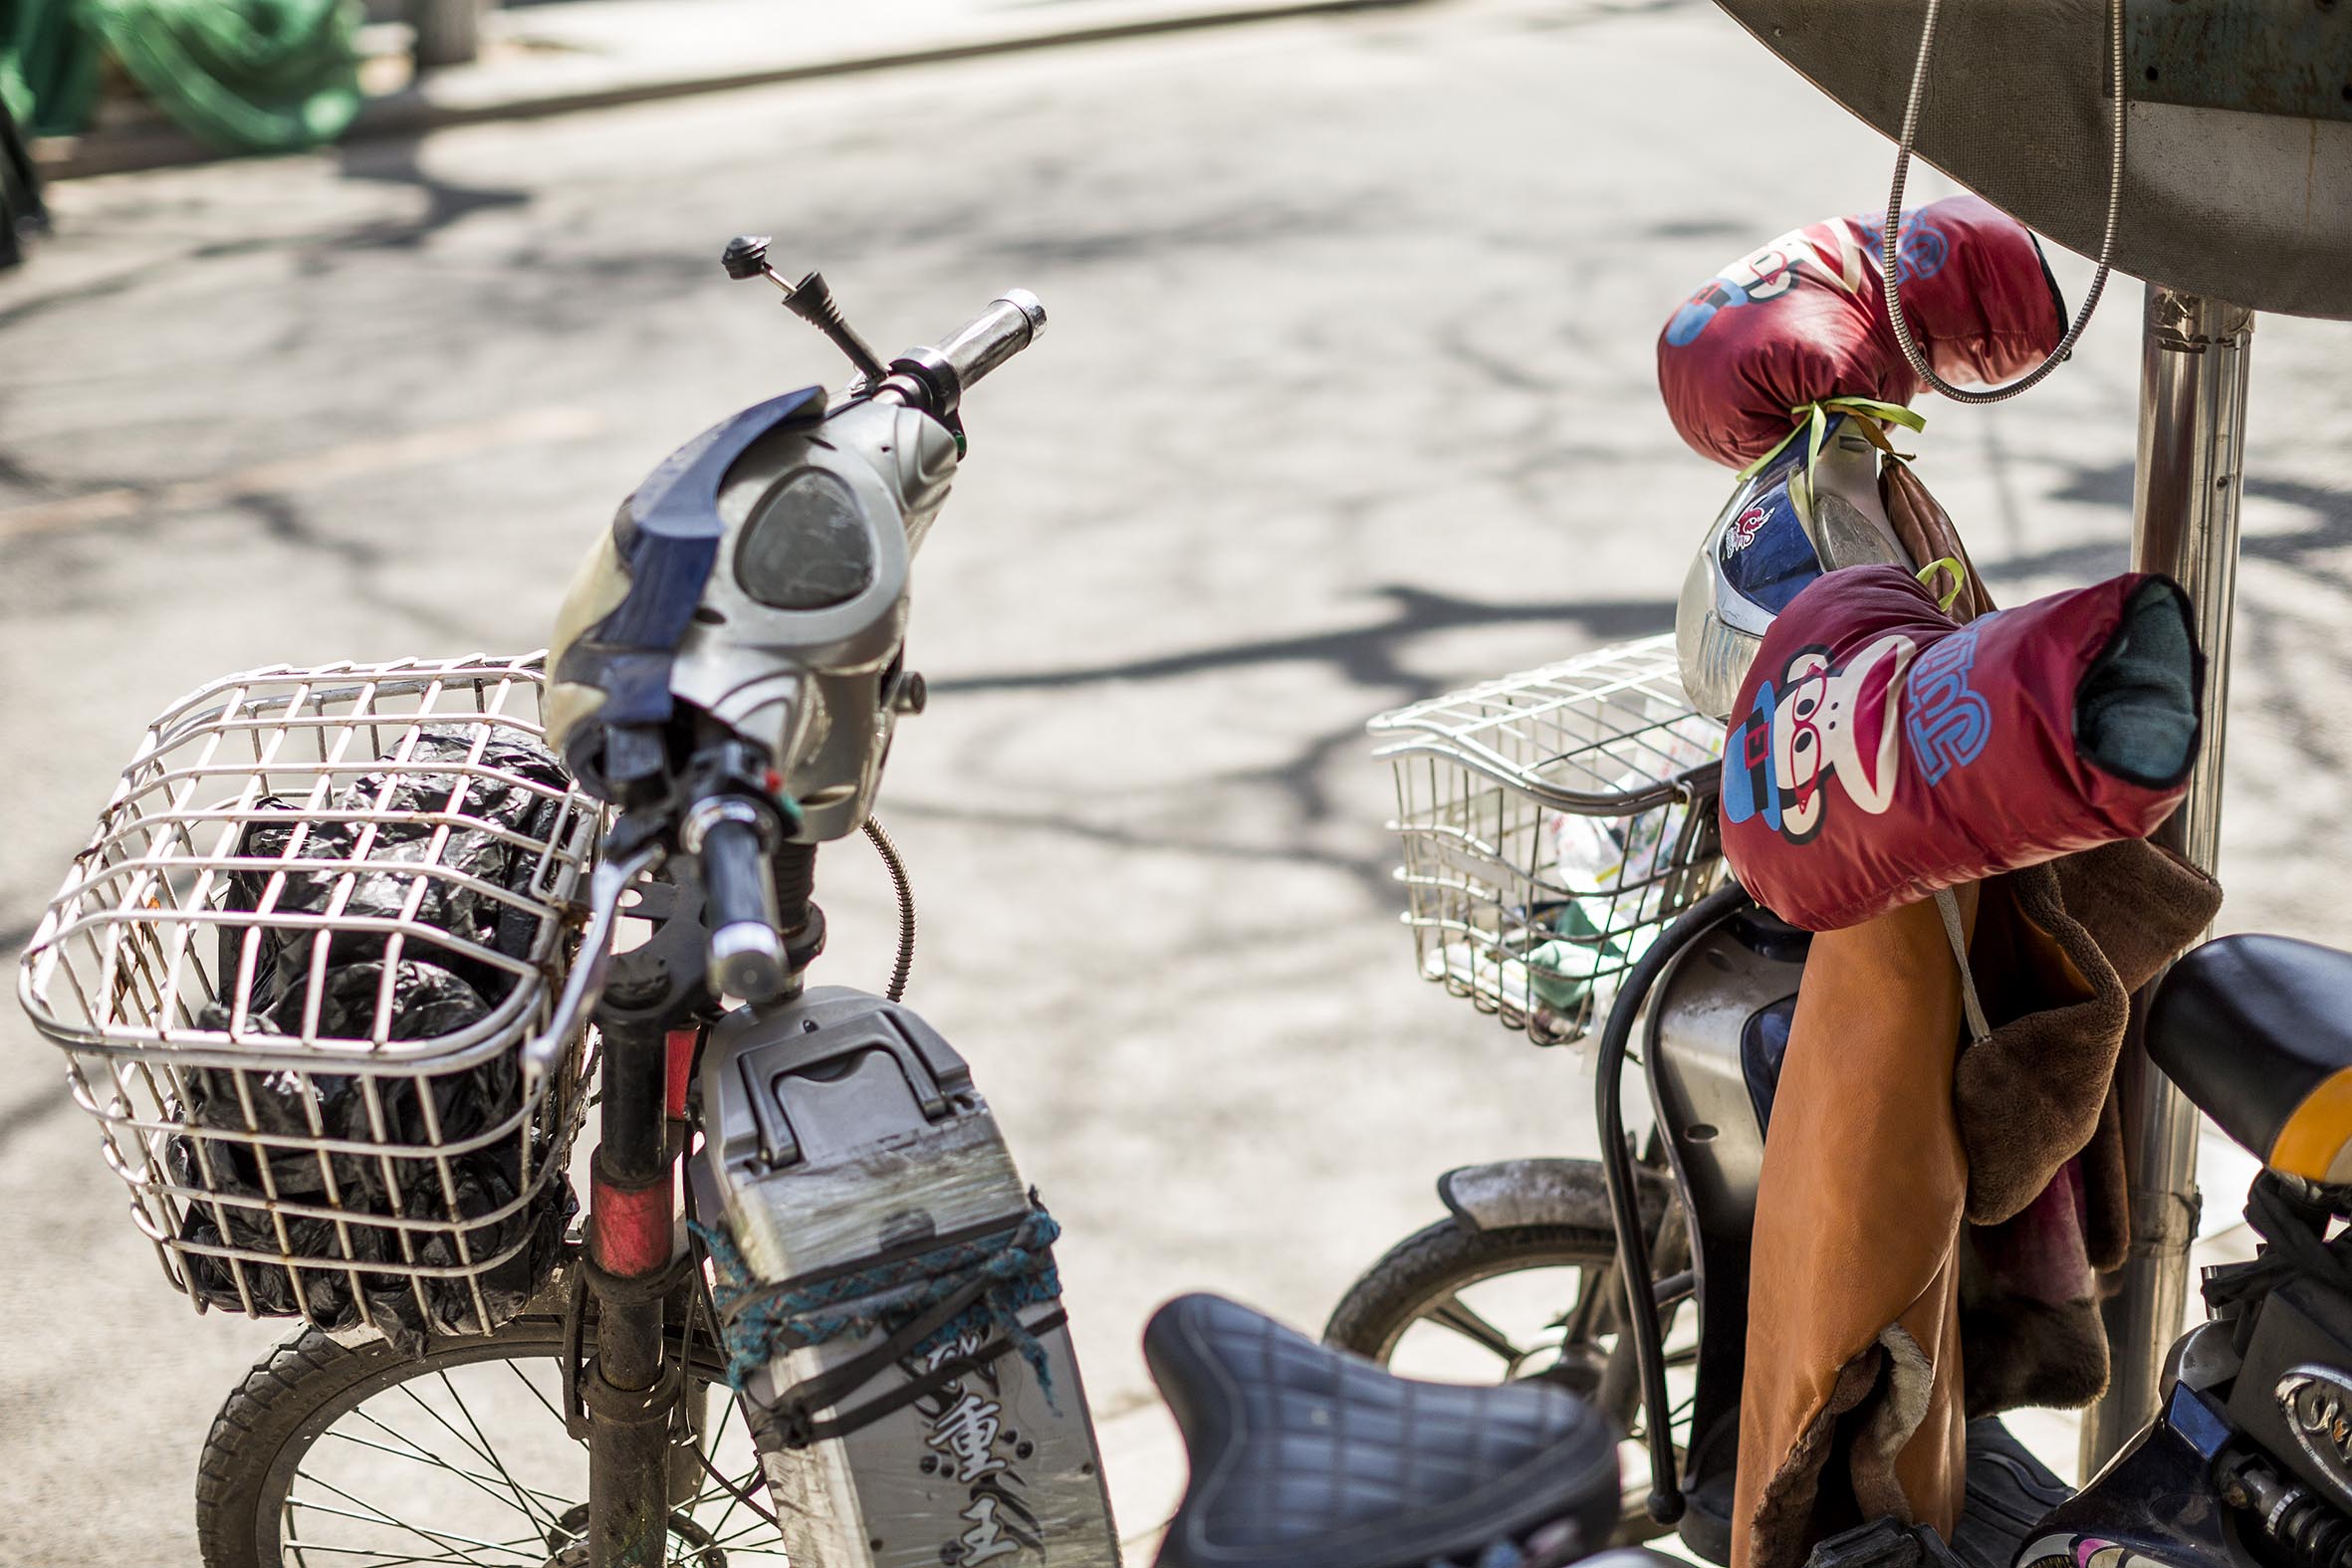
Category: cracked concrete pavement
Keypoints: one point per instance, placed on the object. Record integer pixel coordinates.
(1348, 400)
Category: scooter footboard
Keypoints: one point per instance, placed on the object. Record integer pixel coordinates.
(888, 1300)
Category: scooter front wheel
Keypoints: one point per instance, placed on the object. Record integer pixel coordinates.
(1456, 1303)
(359, 1456)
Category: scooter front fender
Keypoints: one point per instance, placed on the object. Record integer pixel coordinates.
(1508, 1193)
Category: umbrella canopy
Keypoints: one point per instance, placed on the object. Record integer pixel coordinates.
(2238, 175)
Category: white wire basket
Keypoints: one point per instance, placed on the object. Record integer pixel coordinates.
(1553, 822)
(292, 974)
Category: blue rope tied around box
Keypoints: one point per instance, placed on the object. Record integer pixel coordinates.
(919, 1304)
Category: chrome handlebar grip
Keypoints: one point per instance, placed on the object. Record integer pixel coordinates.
(935, 379)
(730, 838)
(746, 955)
(1012, 321)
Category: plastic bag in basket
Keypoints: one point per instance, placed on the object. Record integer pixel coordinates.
(432, 989)
(1609, 866)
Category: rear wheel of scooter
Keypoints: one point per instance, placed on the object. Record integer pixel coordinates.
(1454, 1304)
(357, 1455)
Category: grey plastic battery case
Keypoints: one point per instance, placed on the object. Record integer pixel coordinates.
(843, 1131)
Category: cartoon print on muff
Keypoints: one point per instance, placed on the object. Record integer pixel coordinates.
(1766, 273)
(1837, 251)
(1879, 752)
(1821, 727)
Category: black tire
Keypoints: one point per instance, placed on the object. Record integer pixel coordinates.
(272, 1421)
(1445, 1258)
(1437, 1262)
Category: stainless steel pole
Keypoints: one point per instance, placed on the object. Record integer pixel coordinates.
(2184, 501)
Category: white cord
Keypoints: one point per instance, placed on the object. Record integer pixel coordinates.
(1891, 252)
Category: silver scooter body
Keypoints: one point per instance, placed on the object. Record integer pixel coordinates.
(1717, 1023)
(885, 1282)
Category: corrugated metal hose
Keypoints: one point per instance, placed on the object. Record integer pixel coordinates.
(1891, 244)
(896, 991)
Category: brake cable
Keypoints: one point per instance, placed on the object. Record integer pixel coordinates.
(905, 891)
(1890, 248)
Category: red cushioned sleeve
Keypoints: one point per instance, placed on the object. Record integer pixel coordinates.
(1878, 752)
(1976, 292)
(1803, 317)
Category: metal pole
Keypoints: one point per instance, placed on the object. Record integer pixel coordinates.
(2185, 503)
(448, 32)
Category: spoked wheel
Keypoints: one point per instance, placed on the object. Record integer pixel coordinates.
(1456, 1305)
(336, 1457)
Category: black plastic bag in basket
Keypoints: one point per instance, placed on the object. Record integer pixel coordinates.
(433, 990)
(482, 1183)
(383, 890)
(436, 1109)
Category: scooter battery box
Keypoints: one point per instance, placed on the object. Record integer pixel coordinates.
(887, 1288)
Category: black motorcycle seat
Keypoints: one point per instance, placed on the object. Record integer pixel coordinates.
(2257, 1032)
(1306, 1456)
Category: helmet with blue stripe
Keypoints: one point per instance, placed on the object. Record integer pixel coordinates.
(1811, 507)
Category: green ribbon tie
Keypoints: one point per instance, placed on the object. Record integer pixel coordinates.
(1813, 422)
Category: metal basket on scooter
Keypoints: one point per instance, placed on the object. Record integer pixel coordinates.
(1551, 822)
(292, 973)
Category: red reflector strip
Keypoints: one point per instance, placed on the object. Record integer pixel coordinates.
(631, 1227)
(681, 1069)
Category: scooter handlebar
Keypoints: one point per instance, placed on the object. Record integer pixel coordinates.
(1012, 321)
(728, 836)
(936, 379)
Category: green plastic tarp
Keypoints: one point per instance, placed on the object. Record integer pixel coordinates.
(242, 76)
(48, 67)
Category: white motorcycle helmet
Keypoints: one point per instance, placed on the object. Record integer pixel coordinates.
(1801, 514)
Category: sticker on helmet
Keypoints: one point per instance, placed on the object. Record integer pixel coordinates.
(1743, 527)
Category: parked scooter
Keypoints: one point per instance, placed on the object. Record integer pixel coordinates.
(323, 976)
(2231, 1444)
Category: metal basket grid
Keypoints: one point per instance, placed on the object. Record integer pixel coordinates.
(143, 969)
(1551, 822)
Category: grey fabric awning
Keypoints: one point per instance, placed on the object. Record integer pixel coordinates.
(2238, 174)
